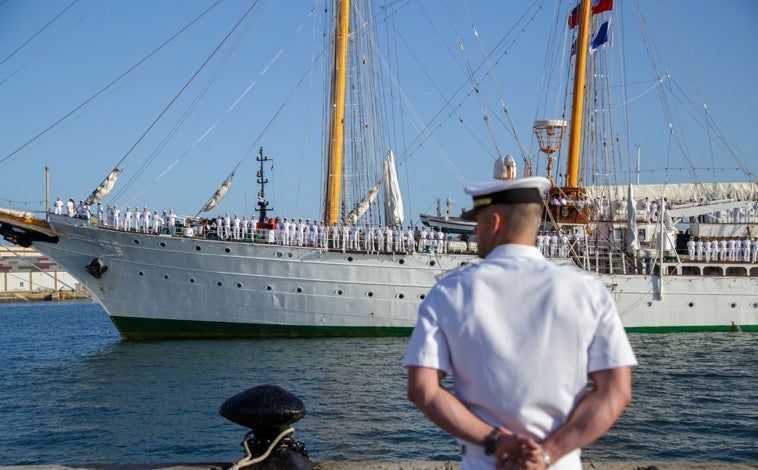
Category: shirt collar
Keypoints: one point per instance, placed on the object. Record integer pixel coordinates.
(515, 250)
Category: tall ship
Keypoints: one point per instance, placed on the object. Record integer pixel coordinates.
(355, 269)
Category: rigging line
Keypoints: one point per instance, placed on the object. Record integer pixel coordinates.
(472, 81)
(111, 83)
(422, 137)
(181, 91)
(491, 74)
(38, 32)
(419, 125)
(213, 125)
(44, 49)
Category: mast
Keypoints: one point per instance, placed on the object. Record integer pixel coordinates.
(261, 179)
(572, 168)
(336, 131)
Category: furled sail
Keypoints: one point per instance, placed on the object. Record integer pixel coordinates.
(364, 204)
(105, 187)
(219, 194)
(393, 201)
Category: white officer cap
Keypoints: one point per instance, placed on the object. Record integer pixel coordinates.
(485, 193)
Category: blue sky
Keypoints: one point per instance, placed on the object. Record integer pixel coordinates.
(47, 72)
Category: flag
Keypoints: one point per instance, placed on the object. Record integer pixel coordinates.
(602, 37)
(598, 6)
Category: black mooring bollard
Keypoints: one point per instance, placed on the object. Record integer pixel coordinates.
(268, 411)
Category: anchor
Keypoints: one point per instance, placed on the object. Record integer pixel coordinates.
(96, 268)
(268, 411)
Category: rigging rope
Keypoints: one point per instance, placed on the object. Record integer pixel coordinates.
(7, 157)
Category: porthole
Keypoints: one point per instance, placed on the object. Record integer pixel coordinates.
(733, 305)
(339, 292)
(162, 244)
(370, 293)
(198, 247)
(227, 250)
(401, 296)
(289, 255)
(463, 263)
(350, 258)
(140, 273)
(135, 241)
(191, 280)
(239, 285)
(401, 261)
(165, 276)
(279, 254)
(269, 288)
(649, 303)
(432, 262)
(690, 304)
(219, 283)
(422, 296)
(754, 305)
(298, 289)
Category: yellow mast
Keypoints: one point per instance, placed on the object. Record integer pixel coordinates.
(572, 168)
(336, 131)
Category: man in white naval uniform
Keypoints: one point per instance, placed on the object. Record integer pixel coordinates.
(227, 226)
(116, 217)
(236, 227)
(128, 219)
(70, 208)
(146, 220)
(58, 206)
(157, 223)
(369, 234)
(100, 215)
(171, 222)
(410, 244)
(379, 239)
(522, 336)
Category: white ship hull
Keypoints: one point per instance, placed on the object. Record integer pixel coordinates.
(176, 287)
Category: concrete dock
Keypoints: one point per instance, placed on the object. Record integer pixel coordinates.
(401, 465)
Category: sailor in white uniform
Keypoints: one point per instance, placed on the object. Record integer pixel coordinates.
(520, 358)
(128, 219)
(410, 245)
(58, 206)
(146, 224)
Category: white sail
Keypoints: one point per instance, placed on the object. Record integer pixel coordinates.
(219, 194)
(364, 204)
(393, 201)
(105, 187)
(632, 243)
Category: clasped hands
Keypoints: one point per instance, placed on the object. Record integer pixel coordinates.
(517, 452)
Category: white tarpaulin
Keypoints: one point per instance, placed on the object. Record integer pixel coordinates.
(393, 201)
(105, 187)
(219, 194)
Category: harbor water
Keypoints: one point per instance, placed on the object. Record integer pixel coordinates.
(74, 393)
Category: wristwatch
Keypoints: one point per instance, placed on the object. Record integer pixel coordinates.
(490, 441)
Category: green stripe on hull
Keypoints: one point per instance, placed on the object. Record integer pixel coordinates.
(150, 329)
(690, 329)
(147, 329)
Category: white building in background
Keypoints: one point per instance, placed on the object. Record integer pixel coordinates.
(26, 270)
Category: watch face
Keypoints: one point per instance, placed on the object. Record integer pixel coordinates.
(490, 441)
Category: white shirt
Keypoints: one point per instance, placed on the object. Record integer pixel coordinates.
(521, 335)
